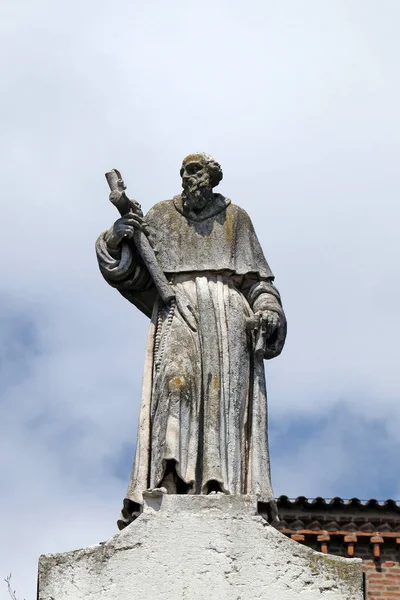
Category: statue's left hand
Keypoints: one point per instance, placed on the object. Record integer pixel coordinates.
(270, 320)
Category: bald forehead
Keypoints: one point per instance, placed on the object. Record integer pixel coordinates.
(196, 157)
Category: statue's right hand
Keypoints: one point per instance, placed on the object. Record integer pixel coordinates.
(124, 228)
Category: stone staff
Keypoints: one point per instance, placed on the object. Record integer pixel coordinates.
(124, 205)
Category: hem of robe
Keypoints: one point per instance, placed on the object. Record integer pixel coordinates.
(178, 471)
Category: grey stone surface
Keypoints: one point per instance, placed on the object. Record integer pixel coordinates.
(195, 548)
(203, 419)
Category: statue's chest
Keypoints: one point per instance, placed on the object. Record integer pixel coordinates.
(180, 242)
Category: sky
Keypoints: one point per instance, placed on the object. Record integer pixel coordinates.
(298, 101)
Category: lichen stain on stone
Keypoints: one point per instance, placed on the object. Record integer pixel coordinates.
(337, 570)
(179, 383)
(229, 226)
(216, 382)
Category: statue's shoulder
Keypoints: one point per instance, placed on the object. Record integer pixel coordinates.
(161, 207)
(238, 212)
(242, 220)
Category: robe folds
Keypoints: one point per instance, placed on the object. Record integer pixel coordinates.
(204, 403)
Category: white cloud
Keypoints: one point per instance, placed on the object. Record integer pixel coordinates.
(299, 102)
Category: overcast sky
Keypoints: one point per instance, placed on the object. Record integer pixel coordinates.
(299, 101)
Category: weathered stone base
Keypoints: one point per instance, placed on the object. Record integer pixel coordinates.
(196, 548)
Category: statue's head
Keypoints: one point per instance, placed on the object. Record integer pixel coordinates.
(200, 173)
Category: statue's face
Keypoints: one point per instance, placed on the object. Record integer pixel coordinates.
(195, 176)
(196, 183)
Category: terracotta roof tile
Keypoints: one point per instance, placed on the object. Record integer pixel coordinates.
(337, 502)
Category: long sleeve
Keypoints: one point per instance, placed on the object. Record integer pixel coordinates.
(124, 270)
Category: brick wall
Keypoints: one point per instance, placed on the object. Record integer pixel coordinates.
(382, 580)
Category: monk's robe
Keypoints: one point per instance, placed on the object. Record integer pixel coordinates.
(204, 403)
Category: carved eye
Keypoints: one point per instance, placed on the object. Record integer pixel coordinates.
(193, 168)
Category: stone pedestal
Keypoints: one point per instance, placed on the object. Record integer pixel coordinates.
(196, 548)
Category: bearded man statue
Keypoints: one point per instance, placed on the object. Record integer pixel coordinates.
(203, 417)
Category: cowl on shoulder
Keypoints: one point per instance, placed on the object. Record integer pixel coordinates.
(220, 238)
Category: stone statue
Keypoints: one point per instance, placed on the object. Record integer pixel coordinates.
(203, 417)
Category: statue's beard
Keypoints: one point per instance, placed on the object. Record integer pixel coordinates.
(197, 193)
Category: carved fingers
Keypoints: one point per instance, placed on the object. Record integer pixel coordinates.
(270, 321)
(125, 227)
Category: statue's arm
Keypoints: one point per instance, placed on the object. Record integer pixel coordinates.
(122, 268)
(264, 298)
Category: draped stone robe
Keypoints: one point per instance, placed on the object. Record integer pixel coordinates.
(204, 403)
